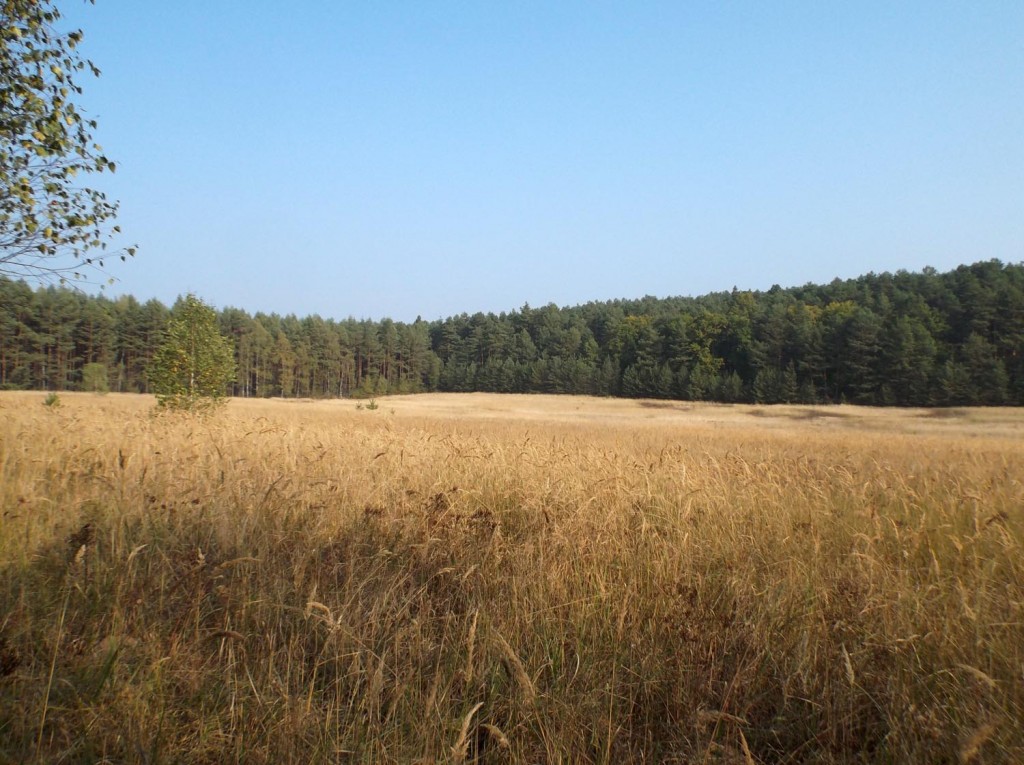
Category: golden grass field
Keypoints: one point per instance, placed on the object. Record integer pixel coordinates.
(509, 579)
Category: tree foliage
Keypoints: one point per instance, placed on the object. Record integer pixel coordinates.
(903, 339)
(94, 378)
(49, 224)
(193, 367)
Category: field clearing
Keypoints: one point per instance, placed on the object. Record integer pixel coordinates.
(524, 579)
(625, 412)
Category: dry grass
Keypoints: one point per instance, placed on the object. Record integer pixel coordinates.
(509, 579)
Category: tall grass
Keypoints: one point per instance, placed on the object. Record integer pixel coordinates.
(312, 583)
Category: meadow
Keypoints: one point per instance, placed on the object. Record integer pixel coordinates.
(460, 578)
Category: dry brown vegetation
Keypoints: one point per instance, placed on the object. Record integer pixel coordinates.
(474, 578)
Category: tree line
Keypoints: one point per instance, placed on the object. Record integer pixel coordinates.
(922, 339)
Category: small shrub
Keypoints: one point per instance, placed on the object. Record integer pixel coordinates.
(94, 378)
(52, 400)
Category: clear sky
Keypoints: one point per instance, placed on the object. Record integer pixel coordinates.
(428, 158)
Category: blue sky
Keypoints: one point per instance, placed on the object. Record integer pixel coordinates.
(430, 158)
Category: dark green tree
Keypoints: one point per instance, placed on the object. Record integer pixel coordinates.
(908, 356)
(989, 381)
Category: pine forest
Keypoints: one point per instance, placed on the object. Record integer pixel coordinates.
(903, 339)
